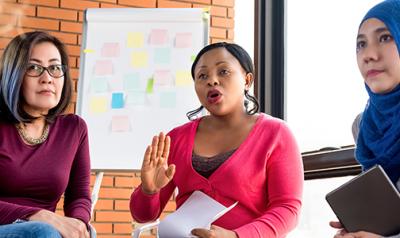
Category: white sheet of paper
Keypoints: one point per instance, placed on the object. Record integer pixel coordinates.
(198, 211)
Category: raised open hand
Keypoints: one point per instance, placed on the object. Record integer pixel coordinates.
(155, 172)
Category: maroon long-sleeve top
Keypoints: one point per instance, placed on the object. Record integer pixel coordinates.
(35, 177)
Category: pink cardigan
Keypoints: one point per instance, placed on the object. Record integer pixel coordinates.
(265, 175)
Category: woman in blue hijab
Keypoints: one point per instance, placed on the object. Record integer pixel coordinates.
(378, 142)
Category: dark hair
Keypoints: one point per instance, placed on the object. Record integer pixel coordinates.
(245, 61)
(13, 64)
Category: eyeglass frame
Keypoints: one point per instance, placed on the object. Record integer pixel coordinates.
(63, 70)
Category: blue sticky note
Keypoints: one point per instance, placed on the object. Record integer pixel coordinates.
(162, 55)
(117, 100)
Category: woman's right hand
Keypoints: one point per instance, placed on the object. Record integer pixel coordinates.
(342, 233)
(67, 226)
(155, 172)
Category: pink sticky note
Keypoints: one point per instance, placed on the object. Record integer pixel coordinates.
(103, 67)
(110, 49)
(158, 36)
(183, 40)
(120, 124)
(163, 78)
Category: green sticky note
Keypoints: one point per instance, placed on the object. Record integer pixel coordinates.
(150, 85)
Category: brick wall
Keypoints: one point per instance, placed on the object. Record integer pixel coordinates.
(63, 18)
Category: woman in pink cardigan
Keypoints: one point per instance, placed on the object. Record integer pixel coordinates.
(232, 154)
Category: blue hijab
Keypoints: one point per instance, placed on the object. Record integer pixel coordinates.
(379, 138)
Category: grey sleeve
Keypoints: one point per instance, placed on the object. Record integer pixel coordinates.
(355, 127)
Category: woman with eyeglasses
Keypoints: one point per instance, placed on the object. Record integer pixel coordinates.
(43, 154)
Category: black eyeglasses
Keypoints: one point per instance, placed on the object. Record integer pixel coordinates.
(55, 70)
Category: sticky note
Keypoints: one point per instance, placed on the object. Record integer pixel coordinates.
(183, 40)
(110, 49)
(139, 59)
(98, 104)
(167, 99)
(136, 98)
(183, 78)
(163, 78)
(135, 40)
(162, 55)
(150, 85)
(120, 123)
(88, 51)
(158, 36)
(103, 67)
(117, 100)
(131, 82)
(99, 85)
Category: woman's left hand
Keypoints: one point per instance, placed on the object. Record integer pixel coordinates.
(214, 232)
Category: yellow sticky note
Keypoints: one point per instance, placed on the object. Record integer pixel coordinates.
(139, 59)
(88, 51)
(135, 40)
(183, 78)
(98, 104)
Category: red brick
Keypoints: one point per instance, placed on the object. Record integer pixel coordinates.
(74, 50)
(72, 62)
(208, 2)
(104, 204)
(218, 11)
(115, 193)
(50, 3)
(215, 40)
(122, 205)
(231, 12)
(7, 20)
(102, 227)
(218, 32)
(67, 38)
(121, 174)
(231, 34)
(75, 27)
(18, 9)
(4, 42)
(123, 228)
(108, 5)
(129, 182)
(79, 4)
(71, 108)
(38, 23)
(113, 216)
(74, 73)
(138, 3)
(228, 3)
(173, 4)
(81, 16)
(109, 1)
(107, 181)
(57, 13)
(222, 22)
(171, 206)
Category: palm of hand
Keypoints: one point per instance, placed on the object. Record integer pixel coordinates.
(155, 172)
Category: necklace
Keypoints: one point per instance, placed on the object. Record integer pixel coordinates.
(28, 139)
